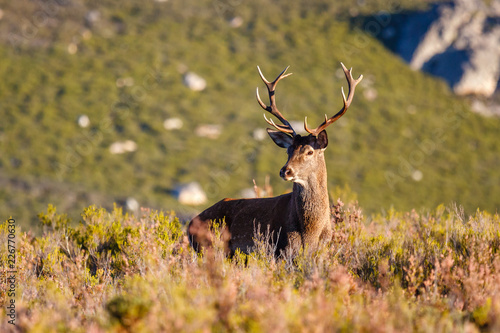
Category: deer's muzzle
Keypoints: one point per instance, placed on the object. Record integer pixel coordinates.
(287, 173)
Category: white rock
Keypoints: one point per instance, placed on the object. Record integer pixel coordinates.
(132, 204)
(92, 16)
(116, 148)
(259, 134)
(123, 147)
(482, 72)
(194, 82)
(488, 109)
(173, 124)
(191, 194)
(208, 131)
(83, 121)
(130, 146)
(417, 175)
(236, 22)
(370, 94)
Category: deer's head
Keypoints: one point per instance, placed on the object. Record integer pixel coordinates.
(305, 153)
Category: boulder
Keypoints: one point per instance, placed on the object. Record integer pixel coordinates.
(194, 82)
(132, 205)
(209, 131)
(83, 121)
(190, 194)
(121, 147)
(259, 134)
(173, 124)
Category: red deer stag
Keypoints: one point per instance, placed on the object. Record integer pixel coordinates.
(296, 219)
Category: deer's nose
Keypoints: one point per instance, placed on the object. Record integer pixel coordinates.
(286, 172)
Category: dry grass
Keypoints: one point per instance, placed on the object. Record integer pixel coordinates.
(404, 272)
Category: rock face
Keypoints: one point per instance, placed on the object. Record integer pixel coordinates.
(458, 41)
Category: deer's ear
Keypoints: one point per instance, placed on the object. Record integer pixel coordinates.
(322, 139)
(281, 139)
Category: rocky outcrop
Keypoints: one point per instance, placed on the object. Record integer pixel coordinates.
(458, 41)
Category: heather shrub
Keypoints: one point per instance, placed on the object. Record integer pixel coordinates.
(412, 271)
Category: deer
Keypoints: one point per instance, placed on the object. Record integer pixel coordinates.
(295, 220)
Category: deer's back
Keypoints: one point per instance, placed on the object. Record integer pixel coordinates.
(241, 218)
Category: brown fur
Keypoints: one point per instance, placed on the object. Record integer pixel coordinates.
(294, 219)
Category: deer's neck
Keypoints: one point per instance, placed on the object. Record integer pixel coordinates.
(312, 204)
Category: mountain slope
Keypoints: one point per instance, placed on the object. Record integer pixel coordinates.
(406, 141)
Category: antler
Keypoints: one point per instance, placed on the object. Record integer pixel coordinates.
(272, 108)
(347, 102)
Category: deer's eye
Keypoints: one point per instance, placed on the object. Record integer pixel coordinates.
(310, 152)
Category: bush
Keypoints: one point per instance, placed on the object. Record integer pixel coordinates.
(413, 271)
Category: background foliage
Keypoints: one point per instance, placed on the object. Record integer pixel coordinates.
(413, 125)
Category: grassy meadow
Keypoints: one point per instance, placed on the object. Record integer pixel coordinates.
(430, 271)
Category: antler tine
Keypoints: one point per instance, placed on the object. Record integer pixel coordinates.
(272, 108)
(280, 76)
(280, 128)
(352, 83)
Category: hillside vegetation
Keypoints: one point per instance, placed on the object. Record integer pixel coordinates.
(436, 271)
(406, 141)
